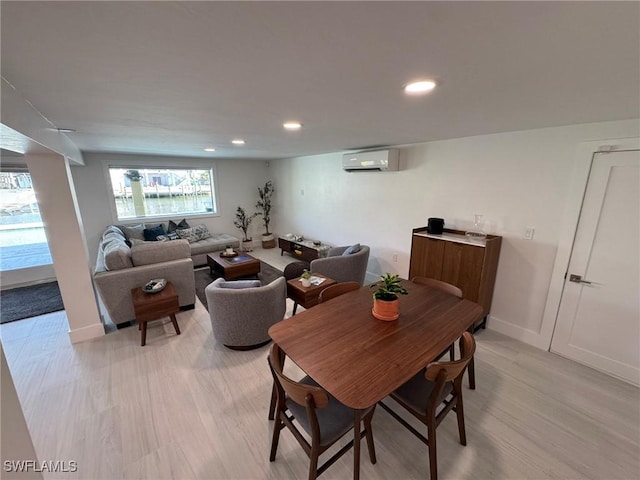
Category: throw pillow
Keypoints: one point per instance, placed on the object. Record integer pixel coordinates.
(133, 231)
(194, 234)
(151, 234)
(173, 226)
(352, 249)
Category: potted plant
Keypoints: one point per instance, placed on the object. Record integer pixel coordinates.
(228, 250)
(306, 278)
(385, 297)
(264, 206)
(243, 221)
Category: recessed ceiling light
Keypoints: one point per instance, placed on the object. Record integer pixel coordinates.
(66, 130)
(416, 88)
(292, 125)
(237, 141)
(209, 149)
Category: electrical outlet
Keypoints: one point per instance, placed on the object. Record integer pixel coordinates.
(395, 258)
(528, 233)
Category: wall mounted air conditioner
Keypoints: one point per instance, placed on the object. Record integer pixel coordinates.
(371, 161)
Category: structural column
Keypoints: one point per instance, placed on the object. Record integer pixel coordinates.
(54, 190)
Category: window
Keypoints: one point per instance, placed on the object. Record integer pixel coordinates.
(157, 192)
(23, 243)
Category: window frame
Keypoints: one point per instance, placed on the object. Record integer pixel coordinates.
(159, 166)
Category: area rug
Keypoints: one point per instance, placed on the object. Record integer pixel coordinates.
(203, 278)
(31, 301)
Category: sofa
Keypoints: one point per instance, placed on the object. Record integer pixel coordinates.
(126, 261)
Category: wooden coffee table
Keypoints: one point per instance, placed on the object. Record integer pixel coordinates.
(153, 306)
(306, 296)
(230, 268)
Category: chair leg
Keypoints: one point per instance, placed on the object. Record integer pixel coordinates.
(433, 458)
(295, 307)
(313, 462)
(356, 444)
(452, 350)
(471, 369)
(369, 436)
(274, 399)
(277, 426)
(460, 415)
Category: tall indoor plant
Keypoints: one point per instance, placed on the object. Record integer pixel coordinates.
(264, 206)
(386, 305)
(242, 221)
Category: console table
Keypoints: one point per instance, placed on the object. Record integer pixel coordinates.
(304, 249)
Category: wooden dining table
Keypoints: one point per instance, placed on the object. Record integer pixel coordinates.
(359, 359)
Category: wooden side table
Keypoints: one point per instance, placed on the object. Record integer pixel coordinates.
(153, 306)
(306, 296)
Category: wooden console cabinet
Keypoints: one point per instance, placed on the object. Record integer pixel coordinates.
(452, 258)
(304, 250)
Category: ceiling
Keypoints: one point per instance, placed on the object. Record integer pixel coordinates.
(172, 78)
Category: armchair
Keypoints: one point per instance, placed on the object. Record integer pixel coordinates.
(241, 312)
(343, 268)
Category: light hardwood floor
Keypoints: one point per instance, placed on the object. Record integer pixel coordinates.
(187, 407)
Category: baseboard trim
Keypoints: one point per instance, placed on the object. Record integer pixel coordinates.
(517, 332)
(86, 333)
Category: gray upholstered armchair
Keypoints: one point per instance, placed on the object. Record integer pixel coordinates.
(242, 311)
(343, 268)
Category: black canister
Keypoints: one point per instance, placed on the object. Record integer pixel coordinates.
(435, 225)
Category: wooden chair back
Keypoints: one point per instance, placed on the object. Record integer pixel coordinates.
(439, 284)
(336, 290)
(455, 369)
(295, 391)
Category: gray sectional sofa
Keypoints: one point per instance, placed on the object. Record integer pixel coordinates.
(125, 263)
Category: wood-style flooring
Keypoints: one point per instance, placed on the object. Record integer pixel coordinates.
(186, 407)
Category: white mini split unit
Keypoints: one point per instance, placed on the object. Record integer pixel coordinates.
(371, 161)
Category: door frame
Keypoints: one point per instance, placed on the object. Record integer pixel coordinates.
(569, 226)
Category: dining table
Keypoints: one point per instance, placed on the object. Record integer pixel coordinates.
(359, 359)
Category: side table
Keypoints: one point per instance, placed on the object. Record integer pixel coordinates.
(306, 296)
(153, 306)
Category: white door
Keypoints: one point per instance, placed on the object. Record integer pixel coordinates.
(598, 321)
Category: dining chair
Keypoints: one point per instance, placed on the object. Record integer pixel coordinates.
(445, 287)
(439, 284)
(453, 290)
(324, 419)
(336, 290)
(439, 385)
(326, 294)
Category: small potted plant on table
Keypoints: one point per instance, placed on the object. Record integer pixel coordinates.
(306, 278)
(386, 305)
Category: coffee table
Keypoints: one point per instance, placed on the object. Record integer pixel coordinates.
(230, 268)
(306, 296)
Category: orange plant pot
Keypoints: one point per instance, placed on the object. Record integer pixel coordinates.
(386, 310)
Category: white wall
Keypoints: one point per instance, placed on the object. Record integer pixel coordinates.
(15, 439)
(515, 180)
(236, 181)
